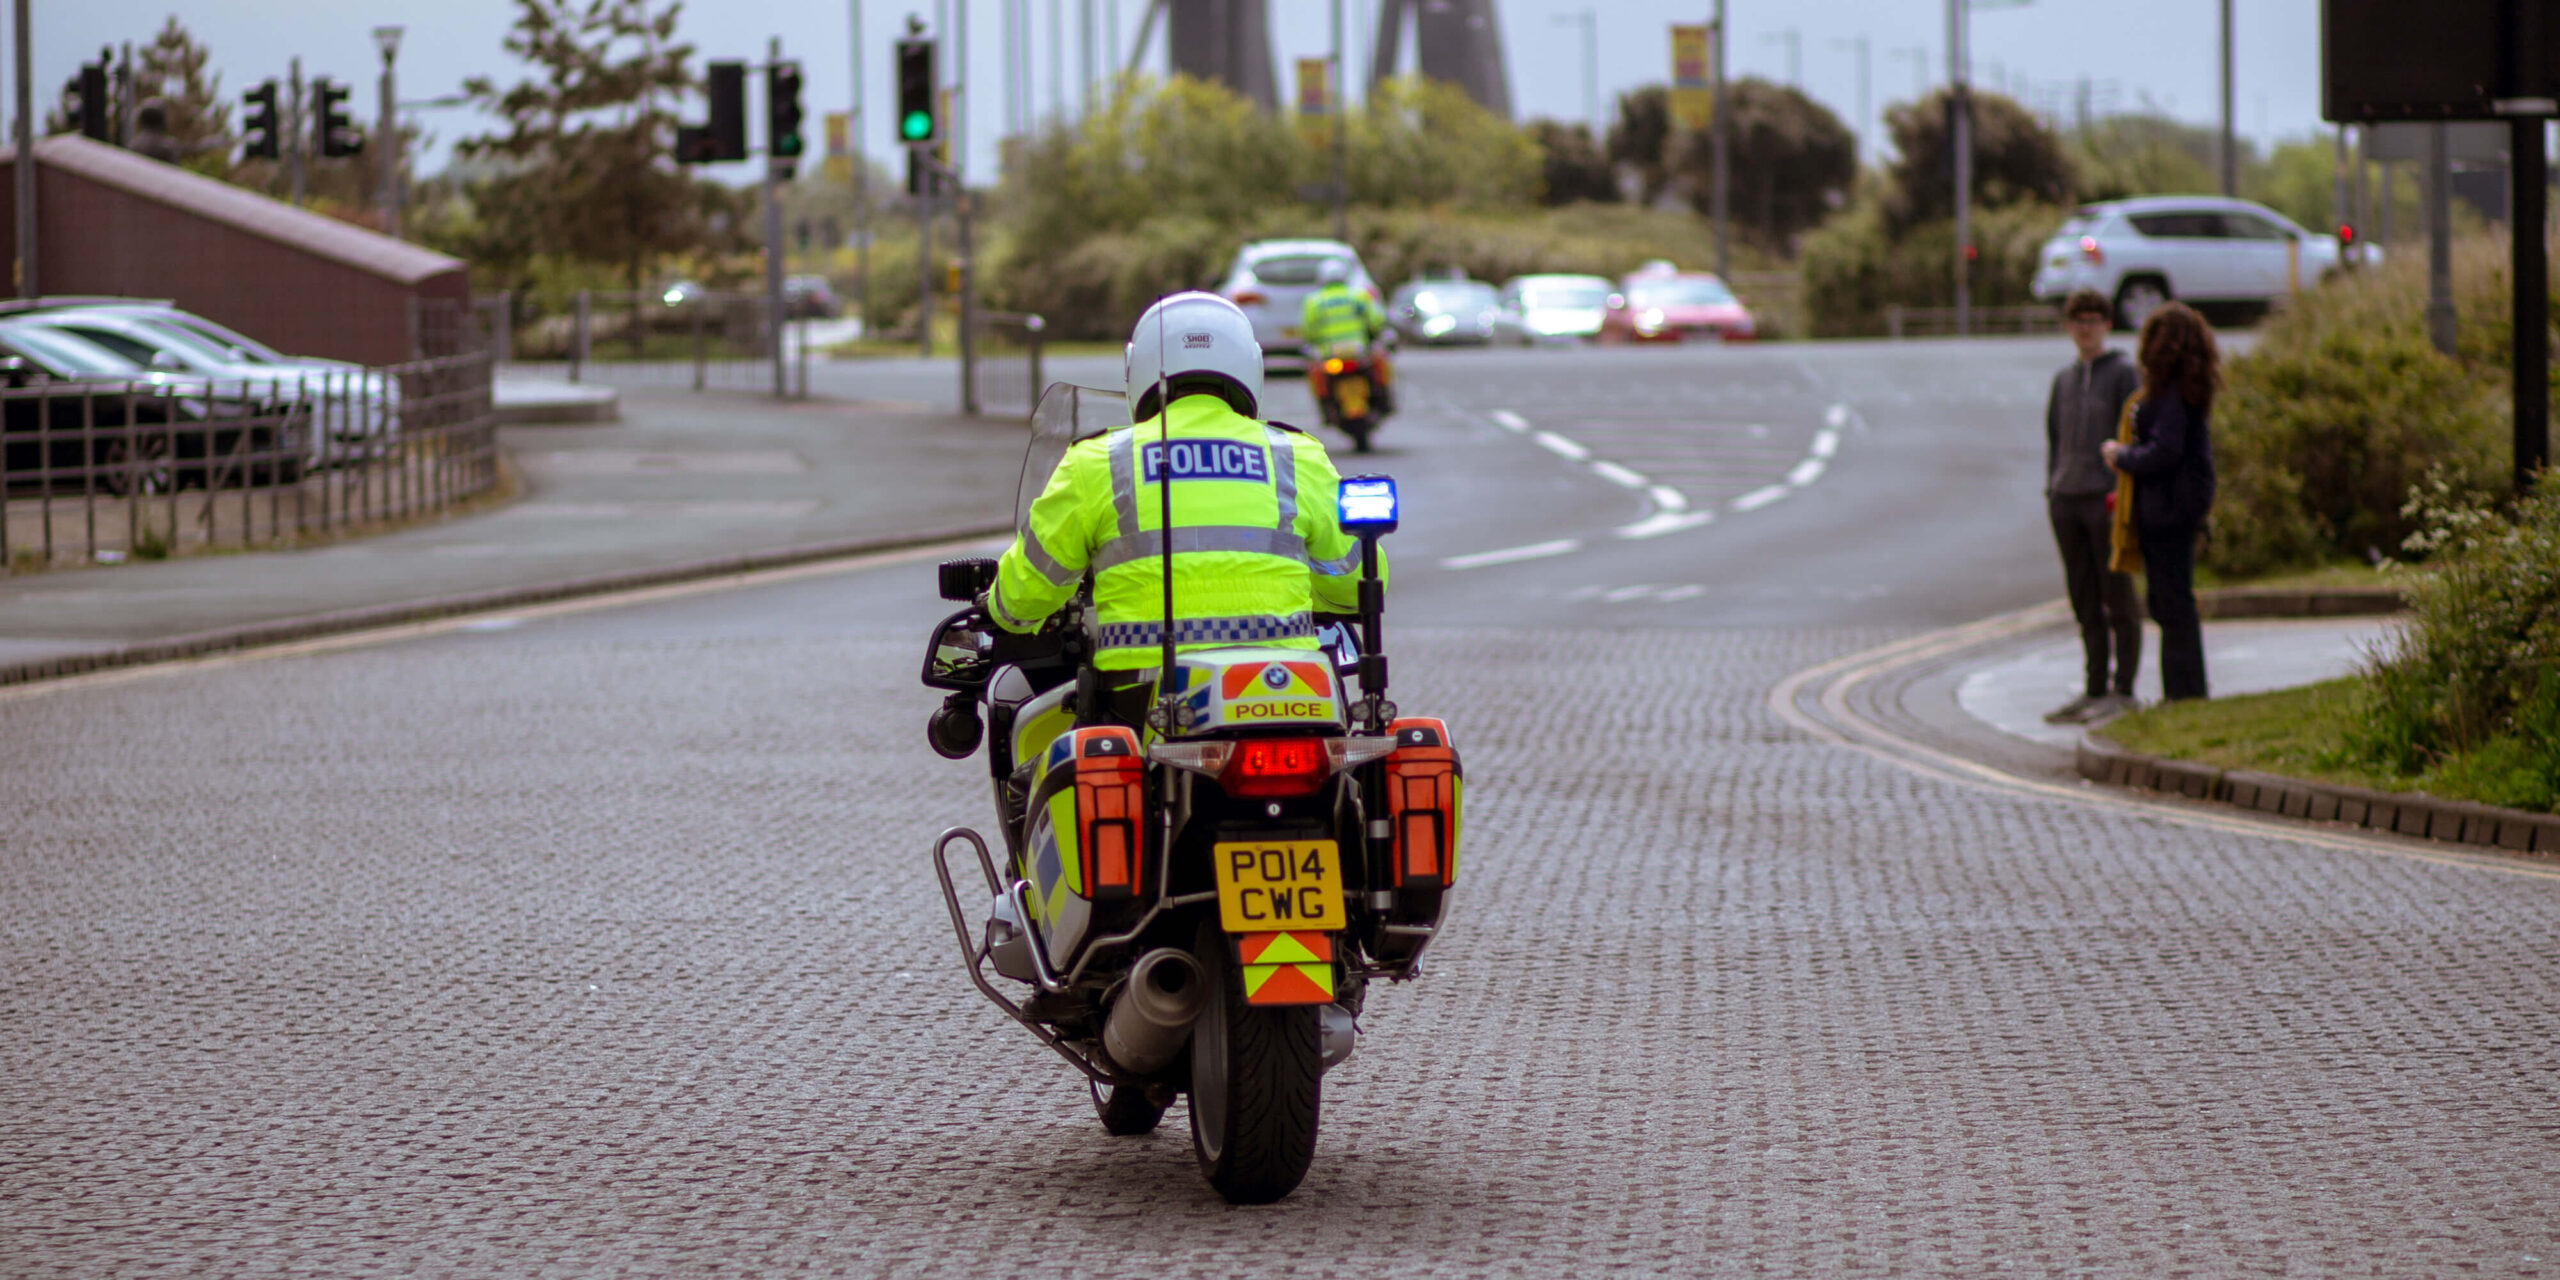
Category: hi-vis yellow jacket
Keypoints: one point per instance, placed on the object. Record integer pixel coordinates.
(1339, 313)
(1257, 546)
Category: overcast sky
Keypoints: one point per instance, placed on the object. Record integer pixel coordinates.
(2162, 53)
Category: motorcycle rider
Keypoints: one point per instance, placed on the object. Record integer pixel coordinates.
(1337, 317)
(1257, 544)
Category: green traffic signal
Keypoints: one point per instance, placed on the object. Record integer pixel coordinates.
(916, 126)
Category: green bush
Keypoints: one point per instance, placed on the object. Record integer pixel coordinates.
(2345, 406)
(1854, 269)
(2469, 691)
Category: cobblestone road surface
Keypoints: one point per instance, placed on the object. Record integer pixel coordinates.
(604, 946)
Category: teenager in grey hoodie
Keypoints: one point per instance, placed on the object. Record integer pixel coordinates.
(2079, 417)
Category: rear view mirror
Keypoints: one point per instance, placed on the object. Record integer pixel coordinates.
(962, 655)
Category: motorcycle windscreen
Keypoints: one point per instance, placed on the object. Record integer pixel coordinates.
(1066, 413)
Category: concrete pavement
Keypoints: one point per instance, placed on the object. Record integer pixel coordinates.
(683, 478)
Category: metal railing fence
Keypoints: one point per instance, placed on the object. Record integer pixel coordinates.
(698, 339)
(1939, 322)
(1001, 374)
(110, 470)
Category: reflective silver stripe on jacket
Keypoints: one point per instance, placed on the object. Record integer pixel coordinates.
(1336, 568)
(1207, 537)
(1284, 477)
(1247, 629)
(1044, 564)
(1124, 479)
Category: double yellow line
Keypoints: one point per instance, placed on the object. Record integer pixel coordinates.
(1831, 684)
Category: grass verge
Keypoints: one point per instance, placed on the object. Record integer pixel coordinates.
(2297, 733)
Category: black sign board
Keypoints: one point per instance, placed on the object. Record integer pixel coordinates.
(2437, 59)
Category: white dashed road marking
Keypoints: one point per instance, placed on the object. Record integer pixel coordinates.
(1509, 555)
(1671, 513)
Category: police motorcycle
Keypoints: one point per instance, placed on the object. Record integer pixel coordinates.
(1200, 879)
(1349, 403)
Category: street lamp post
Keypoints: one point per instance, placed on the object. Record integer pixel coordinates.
(386, 148)
(1866, 92)
(1960, 108)
(23, 172)
(1722, 132)
(1589, 21)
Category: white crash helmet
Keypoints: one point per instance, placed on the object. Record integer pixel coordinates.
(1190, 337)
(1333, 271)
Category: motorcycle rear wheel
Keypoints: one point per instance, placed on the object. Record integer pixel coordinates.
(1359, 432)
(1257, 1080)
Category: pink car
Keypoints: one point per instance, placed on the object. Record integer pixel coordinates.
(1672, 306)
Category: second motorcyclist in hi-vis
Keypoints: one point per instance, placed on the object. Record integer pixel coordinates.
(1338, 320)
(1257, 549)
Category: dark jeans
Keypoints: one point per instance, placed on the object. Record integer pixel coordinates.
(2100, 600)
(2169, 572)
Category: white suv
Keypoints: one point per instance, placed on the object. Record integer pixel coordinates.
(1271, 280)
(2201, 249)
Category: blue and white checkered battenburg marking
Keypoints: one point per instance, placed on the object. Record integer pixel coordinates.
(1249, 629)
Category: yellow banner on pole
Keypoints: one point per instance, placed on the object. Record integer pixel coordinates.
(839, 133)
(1693, 62)
(1315, 87)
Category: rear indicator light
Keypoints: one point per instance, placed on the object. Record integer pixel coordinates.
(1423, 786)
(1110, 799)
(1248, 297)
(1333, 366)
(2089, 250)
(1276, 767)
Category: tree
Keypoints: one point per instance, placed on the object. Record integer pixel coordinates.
(2148, 154)
(198, 120)
(1641, 138)
(585, 171)
(1789, 160)
(2016, 159)
(1575, 168)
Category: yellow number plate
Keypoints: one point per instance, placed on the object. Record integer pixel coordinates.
(1353, 392)
(1269, 885)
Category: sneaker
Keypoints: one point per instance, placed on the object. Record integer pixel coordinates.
(2109, 707)
(2072, 712)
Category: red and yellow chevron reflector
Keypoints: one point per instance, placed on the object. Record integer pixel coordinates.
(1286, 968)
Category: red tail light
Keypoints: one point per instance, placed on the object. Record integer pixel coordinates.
(2089, 250)
(1248, 297)
(1276, 767)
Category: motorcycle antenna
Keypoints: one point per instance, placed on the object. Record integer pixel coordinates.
(1166, 700)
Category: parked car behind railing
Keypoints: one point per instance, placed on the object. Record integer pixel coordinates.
(356, 412)
(80, 416)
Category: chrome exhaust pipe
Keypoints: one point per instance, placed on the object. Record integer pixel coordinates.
(1152, 1018)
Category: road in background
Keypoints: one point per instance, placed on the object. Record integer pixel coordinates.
(576, 943)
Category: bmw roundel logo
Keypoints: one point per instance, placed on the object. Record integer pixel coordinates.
(1276, 677)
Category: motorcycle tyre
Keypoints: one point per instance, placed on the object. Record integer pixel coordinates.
(1126, 1110)
(1359, 433)
(1261, 1071)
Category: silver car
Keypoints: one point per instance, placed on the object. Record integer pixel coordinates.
(1271, 280)
(2143, 252)
(356, 408)
(1552, 308)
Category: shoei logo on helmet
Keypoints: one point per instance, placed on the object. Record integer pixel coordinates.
(1196, 340)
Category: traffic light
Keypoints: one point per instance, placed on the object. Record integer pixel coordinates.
(86, 102)
(333, 134)
(258, 126)
(782, 111)
(919, 117)
(724, 85)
